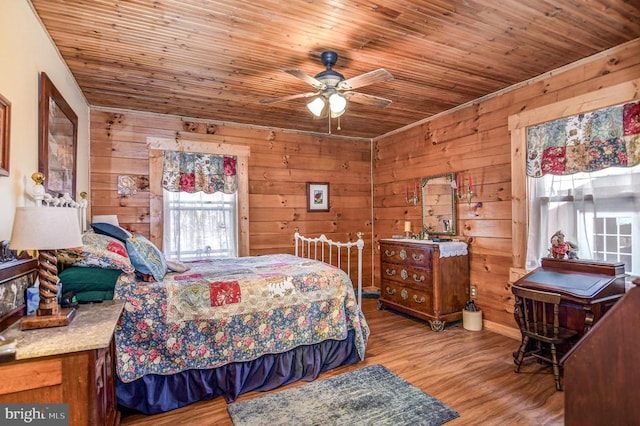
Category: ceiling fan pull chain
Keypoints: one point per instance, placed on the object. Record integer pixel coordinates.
(329, 123)
(338, 128)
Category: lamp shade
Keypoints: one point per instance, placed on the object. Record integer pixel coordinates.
(111, 219)
(316, 106)
(337, 104)
(45, 228)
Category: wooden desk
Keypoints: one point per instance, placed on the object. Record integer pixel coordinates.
(588, 288)
(601, 378)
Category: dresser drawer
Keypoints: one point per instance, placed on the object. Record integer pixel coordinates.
(417, 300)
(24, 376)
(416, 256)
(407, 275)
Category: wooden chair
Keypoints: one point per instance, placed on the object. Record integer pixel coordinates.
(537, 313)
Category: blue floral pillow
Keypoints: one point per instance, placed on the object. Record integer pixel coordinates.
(146, 257)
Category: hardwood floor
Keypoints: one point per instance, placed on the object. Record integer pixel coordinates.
(470, 371)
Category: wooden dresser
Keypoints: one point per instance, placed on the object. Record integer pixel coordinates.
(424, 279)
(71, 365)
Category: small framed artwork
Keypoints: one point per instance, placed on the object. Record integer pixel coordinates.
(317, 197)
(5, 133)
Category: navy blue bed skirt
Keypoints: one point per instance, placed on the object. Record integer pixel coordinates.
(154, 393)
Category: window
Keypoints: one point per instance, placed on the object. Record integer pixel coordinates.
(613, 240)
(199, 225)
(599, 211)
(212, 145)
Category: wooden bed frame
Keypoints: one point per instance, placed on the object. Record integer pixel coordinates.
(332, 252)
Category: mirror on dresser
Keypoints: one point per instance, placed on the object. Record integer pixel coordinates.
(439, 204)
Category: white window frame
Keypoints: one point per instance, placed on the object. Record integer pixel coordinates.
(635, 240)
(210, 144)
(219, 202)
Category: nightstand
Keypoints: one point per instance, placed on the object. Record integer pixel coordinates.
(73, 365)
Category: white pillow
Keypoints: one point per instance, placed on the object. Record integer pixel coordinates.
(176, 266)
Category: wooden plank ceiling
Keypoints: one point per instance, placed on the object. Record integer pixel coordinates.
(216, 59)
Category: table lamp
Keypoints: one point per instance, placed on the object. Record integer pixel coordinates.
(44, 230)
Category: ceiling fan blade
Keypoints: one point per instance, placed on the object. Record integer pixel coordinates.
(377, 76)
(288, 98)
(362, 98)
(306, 78)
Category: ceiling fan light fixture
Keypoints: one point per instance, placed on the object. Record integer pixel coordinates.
(337, 104)
(333, 90)
(316, 106)
(336, 114)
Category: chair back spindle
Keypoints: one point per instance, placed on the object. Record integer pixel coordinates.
(538, 315)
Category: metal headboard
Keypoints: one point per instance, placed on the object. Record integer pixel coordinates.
(42, 198)
(321, 248)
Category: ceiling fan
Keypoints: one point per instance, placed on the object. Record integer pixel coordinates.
(333, 90)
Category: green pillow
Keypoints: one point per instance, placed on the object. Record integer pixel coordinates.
(92, 296)
(77, 278)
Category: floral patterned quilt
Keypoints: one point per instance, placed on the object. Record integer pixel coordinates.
(232, 310)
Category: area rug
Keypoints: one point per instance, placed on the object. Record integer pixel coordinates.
(369, 396)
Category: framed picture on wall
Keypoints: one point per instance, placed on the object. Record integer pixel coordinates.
(58, 145)
(317, 196)
(5, 133)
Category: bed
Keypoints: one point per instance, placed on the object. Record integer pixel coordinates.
(229, 326)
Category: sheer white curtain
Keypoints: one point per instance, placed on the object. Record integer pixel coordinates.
(199, 225)
(598, 211)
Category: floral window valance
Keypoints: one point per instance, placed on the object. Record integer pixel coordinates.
(586, 142)
(190, 172)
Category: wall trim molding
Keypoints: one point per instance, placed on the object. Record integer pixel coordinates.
(232, 124)
(503, 330)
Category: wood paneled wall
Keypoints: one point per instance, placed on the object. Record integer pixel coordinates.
(280, 164)
(471, 140)
(475, 140)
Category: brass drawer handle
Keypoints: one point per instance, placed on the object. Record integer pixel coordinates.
(391, 291)
(418, 280)
(390, 271)
(415, 299)
(417, 258)
(390, 253)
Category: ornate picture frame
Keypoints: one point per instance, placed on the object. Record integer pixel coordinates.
(318, 197)
(58, 140)
(5, 135)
